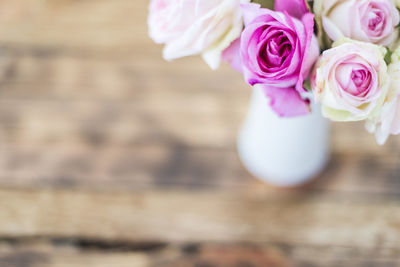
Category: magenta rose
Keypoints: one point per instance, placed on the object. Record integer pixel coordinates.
(277, 52)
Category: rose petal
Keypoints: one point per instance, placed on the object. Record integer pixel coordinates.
(311, 52)
(286, 102)
(251, 11)
(231, 55)
(395, 127)
(295, 8)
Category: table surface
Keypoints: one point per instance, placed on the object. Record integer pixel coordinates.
(112, 157)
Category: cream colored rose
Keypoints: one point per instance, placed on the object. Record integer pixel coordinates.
(190, 27)
(387, 122)
(351, 80)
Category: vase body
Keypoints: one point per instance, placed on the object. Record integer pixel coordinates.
(283, 152)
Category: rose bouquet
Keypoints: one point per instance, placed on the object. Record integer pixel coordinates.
(343, 54)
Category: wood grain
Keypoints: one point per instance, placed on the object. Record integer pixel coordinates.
(57, 228)
(110, 156)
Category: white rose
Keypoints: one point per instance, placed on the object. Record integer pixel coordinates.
(190, 27)
(387, 122)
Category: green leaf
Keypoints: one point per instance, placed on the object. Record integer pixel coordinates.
(388, 57)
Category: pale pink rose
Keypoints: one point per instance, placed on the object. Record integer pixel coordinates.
(363, 20)
(351, 81)
(190, 27)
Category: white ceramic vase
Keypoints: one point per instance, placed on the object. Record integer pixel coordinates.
(283, 152)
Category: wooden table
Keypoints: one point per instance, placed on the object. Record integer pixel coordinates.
(110, 156)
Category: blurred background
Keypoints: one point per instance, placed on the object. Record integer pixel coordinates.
(110, 156)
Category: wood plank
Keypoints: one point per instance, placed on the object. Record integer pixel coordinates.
(44, 254)
(344, 220)
(115, 167)
(40, 252)
(98, 23)
(285, 255)
(135, 167)
(53, 152)
(70, 122)
(66, 78)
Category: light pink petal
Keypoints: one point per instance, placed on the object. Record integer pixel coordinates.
(295, 8)
(286, 102)
(231, 55)
(251, 11)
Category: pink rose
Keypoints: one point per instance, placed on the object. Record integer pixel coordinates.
(277, 51)
(351, 81)
(190, 27)
(363, 20)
